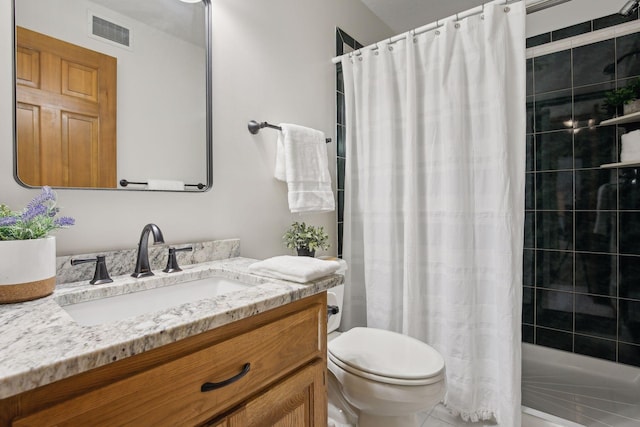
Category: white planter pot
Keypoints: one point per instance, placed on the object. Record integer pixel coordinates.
(632, 107)
(28, 269)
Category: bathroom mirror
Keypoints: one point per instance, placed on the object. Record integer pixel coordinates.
(113, 94)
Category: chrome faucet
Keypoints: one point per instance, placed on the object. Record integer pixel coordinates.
(142, 264)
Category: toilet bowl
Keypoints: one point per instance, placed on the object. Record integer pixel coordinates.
(386, 377)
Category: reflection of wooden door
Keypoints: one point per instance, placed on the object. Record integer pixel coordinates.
(65, 114)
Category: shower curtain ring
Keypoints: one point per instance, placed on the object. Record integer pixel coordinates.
(376, 50)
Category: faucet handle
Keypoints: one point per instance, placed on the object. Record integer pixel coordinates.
(101, 275)
(172, 261)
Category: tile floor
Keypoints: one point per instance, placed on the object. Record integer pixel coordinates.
(441, 418)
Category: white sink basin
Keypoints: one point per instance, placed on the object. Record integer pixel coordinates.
(110, 309)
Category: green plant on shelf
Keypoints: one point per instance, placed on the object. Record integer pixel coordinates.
(615, 99)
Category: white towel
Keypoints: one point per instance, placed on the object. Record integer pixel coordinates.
(301, 161)
(630, 146)
(165, 184)
(299, 269)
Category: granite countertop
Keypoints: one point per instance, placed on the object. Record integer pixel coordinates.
(40, 343)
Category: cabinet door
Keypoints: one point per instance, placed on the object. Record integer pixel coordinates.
(236, 419)
(299, 400)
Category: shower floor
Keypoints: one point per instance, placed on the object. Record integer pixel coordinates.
(582, 390)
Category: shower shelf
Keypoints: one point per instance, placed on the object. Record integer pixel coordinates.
(627, 118)
(620, 165)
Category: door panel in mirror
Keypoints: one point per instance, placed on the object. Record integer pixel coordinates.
(65, 131)
(159, 122)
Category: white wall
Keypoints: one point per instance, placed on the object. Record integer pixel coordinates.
(570, 13)
(271, 62)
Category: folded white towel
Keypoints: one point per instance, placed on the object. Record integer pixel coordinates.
(165, 184)
(301, 161)
(630, 146)
(299, 269)
(626, 156)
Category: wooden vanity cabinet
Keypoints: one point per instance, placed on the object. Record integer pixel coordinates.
(265, 370)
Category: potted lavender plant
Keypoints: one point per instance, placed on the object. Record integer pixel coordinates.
(27, 252)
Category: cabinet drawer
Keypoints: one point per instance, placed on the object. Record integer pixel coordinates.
(170, 394)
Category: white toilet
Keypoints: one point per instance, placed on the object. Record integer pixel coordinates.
(386, 377)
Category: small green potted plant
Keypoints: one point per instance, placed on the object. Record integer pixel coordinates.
(624, 100)
(305, 239)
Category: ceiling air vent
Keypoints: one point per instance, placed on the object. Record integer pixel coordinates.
(109, 31)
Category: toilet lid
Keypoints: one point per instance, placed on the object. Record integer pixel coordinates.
(386, 356)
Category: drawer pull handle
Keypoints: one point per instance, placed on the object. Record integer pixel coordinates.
(212, 386)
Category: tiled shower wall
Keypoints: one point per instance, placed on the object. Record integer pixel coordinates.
(344, 44)
(582, 223)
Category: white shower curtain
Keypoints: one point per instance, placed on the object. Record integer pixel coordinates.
(434, 201)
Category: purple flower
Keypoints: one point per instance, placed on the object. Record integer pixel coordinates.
(64, 221)
(8, 220)
(46, 195)
(36, 221)
(33, 211)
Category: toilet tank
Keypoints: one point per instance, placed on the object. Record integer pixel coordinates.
(335, 297)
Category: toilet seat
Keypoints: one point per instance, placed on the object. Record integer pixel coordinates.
(386, 357)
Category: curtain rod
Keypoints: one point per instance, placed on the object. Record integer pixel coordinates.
(532, 7)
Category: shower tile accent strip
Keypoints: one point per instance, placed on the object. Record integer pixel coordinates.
(581, 28)
(344, 44)
(582, 223)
